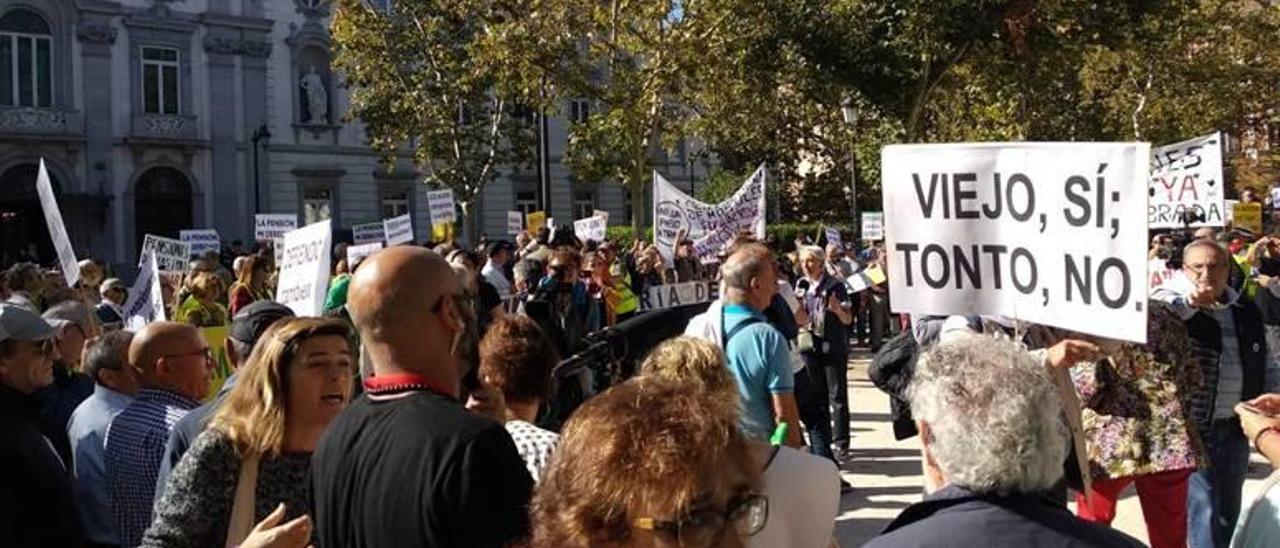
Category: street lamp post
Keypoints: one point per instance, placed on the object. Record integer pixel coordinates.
(259, 134)
(850, 115)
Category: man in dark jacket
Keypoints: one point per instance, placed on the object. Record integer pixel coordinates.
(37, 508)
(1229, 340)
(988, 415)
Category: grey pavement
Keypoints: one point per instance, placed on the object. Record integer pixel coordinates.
(886, 473)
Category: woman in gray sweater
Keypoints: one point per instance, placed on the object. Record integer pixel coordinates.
(295, 382)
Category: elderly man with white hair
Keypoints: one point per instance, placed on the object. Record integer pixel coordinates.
(989, 418)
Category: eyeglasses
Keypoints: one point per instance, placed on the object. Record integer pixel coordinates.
(748, 513)
(1201, 268)
(44, 348)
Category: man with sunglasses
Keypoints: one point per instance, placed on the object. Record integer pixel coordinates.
(38, 507)
(175, 365)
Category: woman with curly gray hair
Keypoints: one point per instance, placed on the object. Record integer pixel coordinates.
(989, 418)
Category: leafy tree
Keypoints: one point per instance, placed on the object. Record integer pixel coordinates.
(422, 75)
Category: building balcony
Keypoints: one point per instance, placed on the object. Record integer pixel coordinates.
(164, 127)
(41, 122)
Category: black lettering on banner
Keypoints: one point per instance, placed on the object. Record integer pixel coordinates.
(1025, 182)
(968, 265)
(926, 206)
(1030, 261)
(1072, 183)
(963, 194)
(995, 250)
(988, 211)
(906, 249)
(1085, 279)
(935, 249)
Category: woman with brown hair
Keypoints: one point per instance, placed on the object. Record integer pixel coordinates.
(516, 358)
(251, 283)
(636, 467)
(254, 459)
(201, 307)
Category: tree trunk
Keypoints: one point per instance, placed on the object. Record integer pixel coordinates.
(470, 229)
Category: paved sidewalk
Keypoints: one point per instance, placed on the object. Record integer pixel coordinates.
(886, 474)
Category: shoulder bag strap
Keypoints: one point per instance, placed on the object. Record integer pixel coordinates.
(241, 522)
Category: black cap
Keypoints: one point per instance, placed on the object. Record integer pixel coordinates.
(251, 321)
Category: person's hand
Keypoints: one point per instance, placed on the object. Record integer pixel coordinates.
(269, 534)
(1202, 297)
(1069, 352)
(487, 401)
(1267, 403)
(802, 316)
(1253, 422)
(833, 302)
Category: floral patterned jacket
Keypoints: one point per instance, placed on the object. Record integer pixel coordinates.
(1136, 403)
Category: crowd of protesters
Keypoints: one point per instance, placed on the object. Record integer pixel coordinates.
(425, 408)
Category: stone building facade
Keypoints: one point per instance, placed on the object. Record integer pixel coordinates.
(157, 115)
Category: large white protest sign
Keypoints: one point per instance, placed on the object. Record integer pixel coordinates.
(146, 298)
(172, 255)
(399, 229)
(304, 270)
(201, 241)
(1050, 233)
(440, 203)
(873, 225)
(368, 233)
(515, 222)
(269, 227)
(711, 227)
(357, 252)
(659, 297)
(590, 229)
(1186, 184)
(57, 230)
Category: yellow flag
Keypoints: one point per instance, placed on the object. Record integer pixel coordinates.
(536, 220)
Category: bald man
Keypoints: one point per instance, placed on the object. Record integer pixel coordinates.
(174, 365)
(405, 464)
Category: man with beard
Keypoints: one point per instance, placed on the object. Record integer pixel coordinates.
(406, 464)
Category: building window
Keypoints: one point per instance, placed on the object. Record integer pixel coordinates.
(527, 202)
(584, 204)
(160, 80)
(579, 110)
(317, 205)
(26, 60)
(395, 204)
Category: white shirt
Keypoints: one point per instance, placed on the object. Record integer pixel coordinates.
(497, 278)
(804, 496)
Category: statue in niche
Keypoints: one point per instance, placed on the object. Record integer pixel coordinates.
(317, 97)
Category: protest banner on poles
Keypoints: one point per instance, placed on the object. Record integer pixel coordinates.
(590, 229)
(659, 297)
(368, 233)
(201, 240)
(1186, 185)
(515, 222)
(146, 298)
(357, 252)
(57, 230)
(1248, 217)
(710, 227)
(873, 226)
(171, 255)
(440, 203)
(536, 220)
(399, 229)
(304, 269)
(269, 227)
(1050, 233)
(601, 213)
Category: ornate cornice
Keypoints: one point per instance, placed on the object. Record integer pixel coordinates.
(237, 46)
(312, 9)
(97, 33)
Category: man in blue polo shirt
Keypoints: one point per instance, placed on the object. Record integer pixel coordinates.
(756, 352)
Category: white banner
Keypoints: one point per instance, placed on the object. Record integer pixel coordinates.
(201, 241)
(357, 252)
(1186, 180)
(304, 270)
(440, 203)
(711, 227)
(269, 227)
(865, 279)
(146, 298)
(591, 228)
(57, 230)
(368, 233)
(515, 222)
(399, 230)
(171, 255)
(872, 225)
(1050, 233)
(659, 297)
(833, 235)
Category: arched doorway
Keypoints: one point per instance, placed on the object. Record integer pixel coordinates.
(24, 236)
(162, 203)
